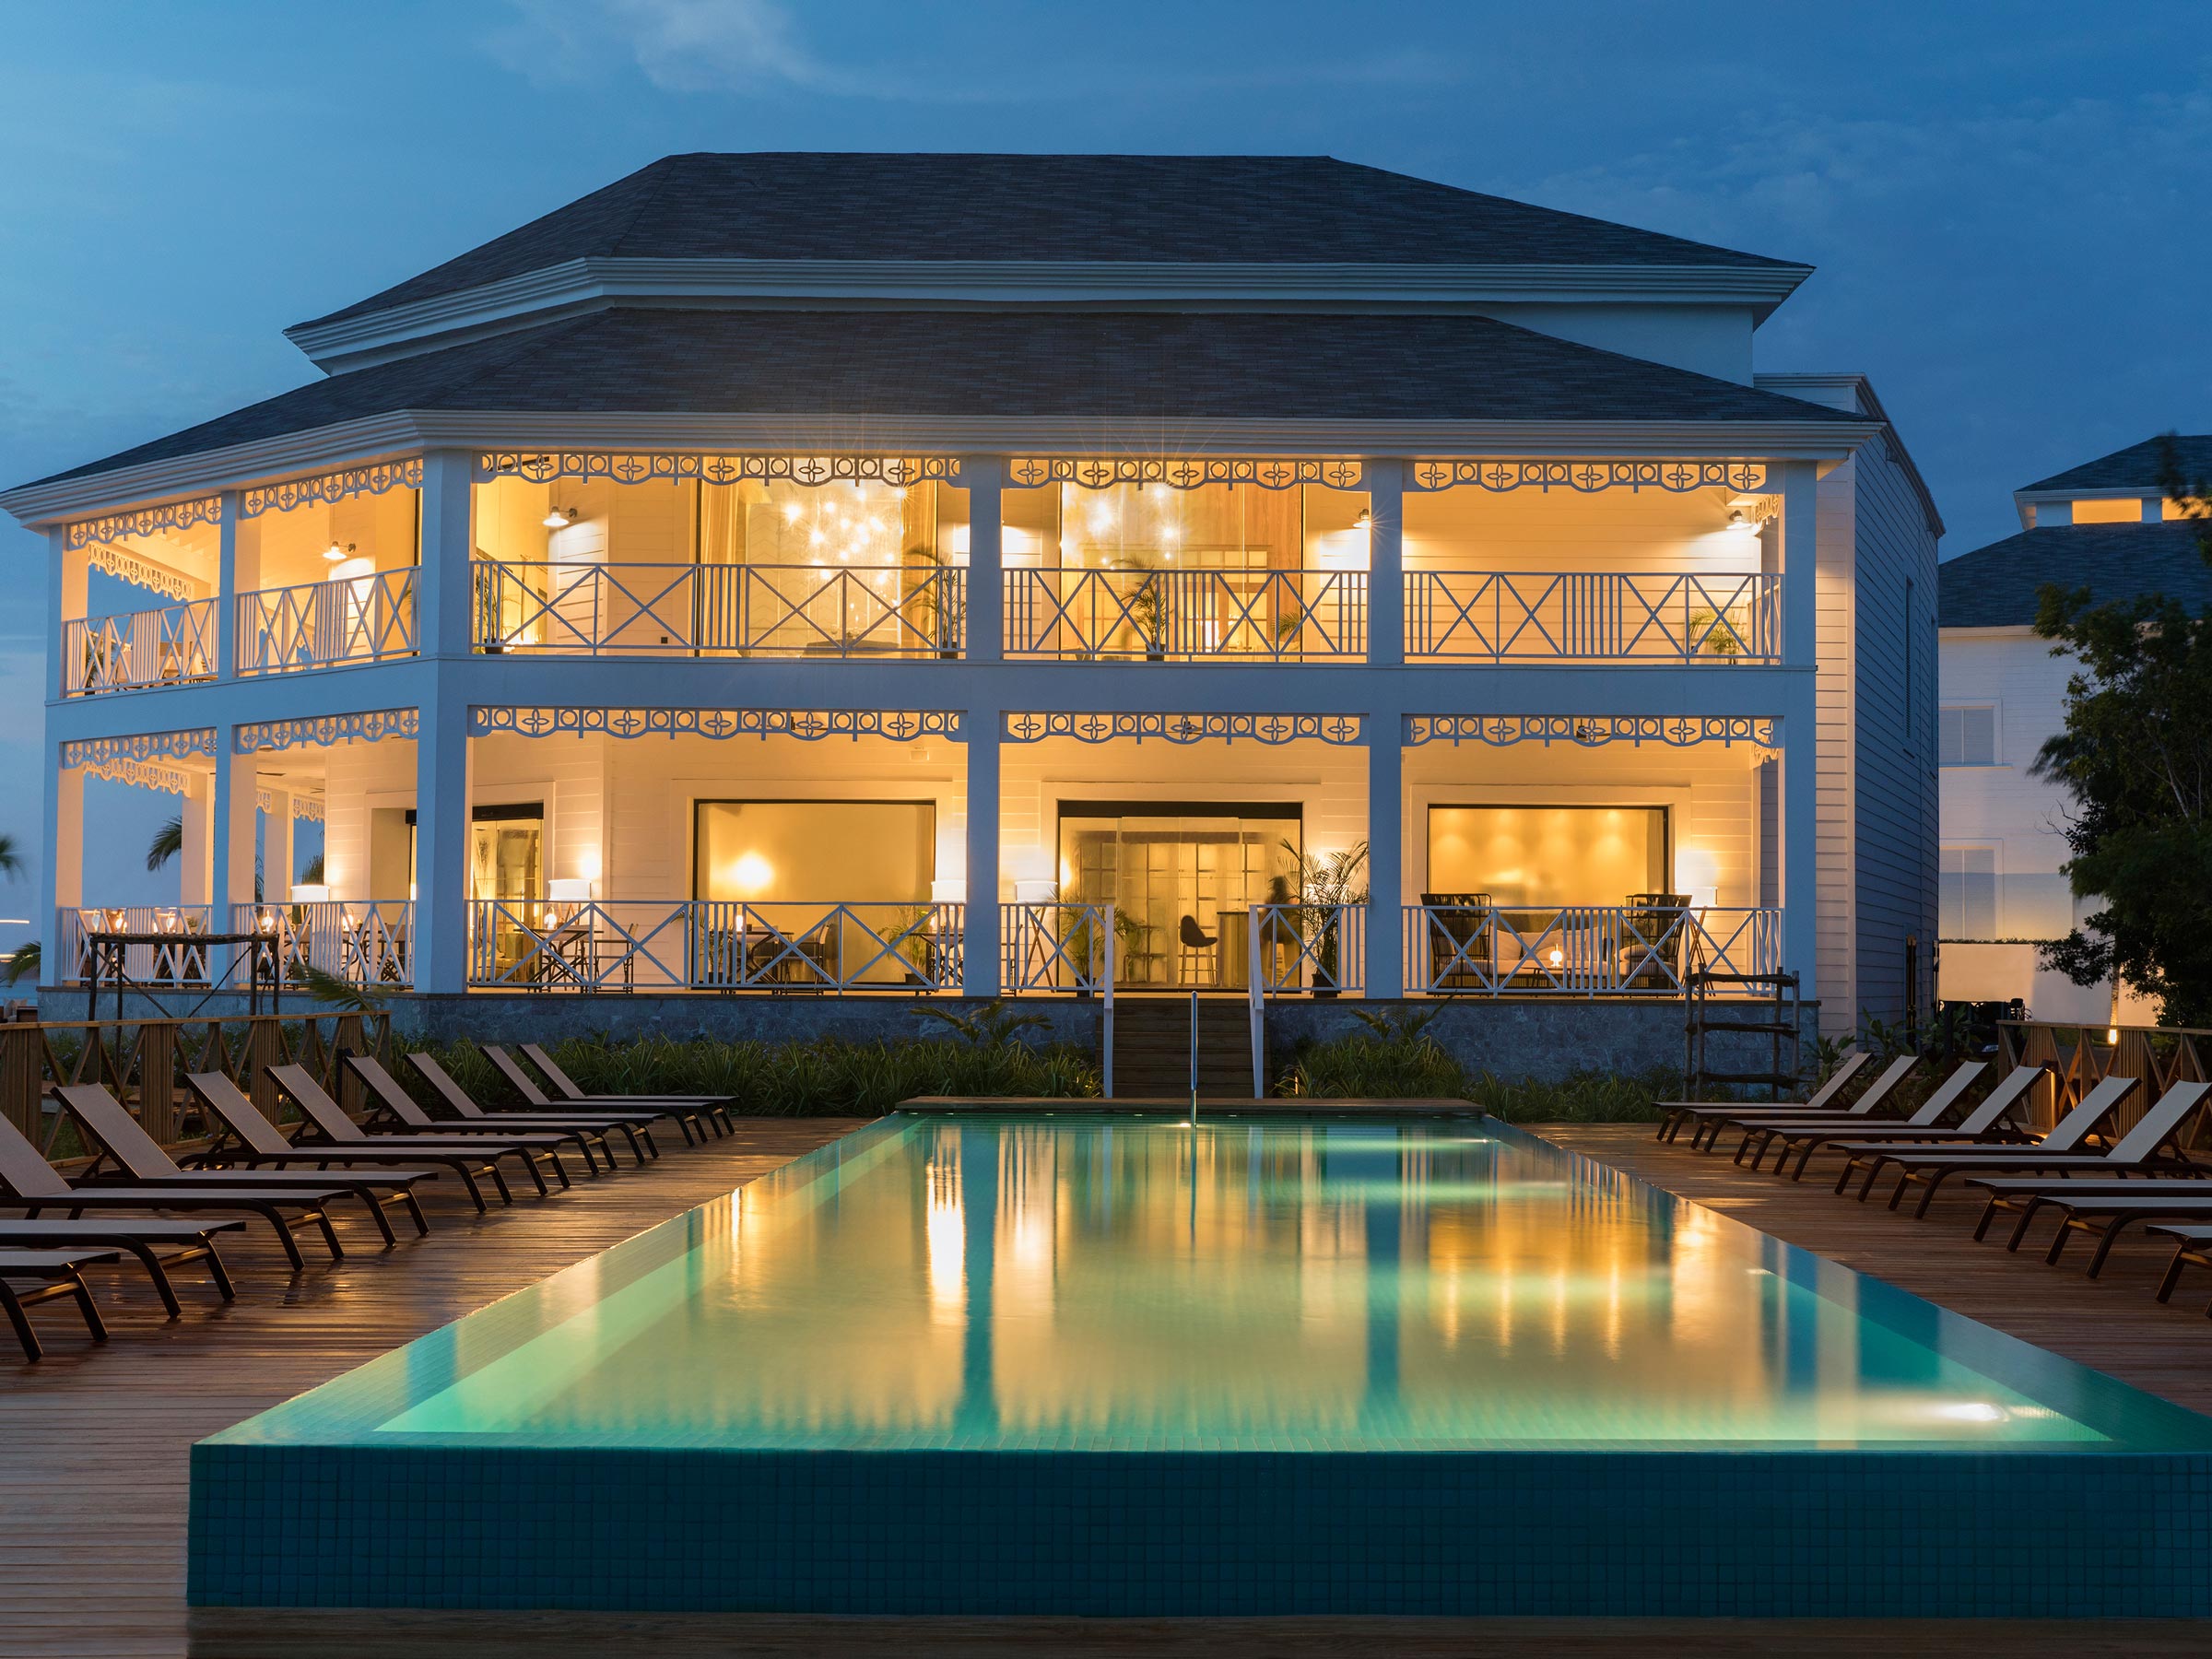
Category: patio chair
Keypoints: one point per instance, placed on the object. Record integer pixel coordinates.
(140, 1161)
(588, 1126)
(1781, 1129)
(715, 1106)
(683, 1117)
(2191, 1247)
(1924, 1127)
(1760, 1123)
(1674, 1113)
(395, 1103)
(1652, 928)
(59, 1275)
(33, 1185)
(1462, 941)
(328, 1121)
(1930, 1167)
(252, 1140)
(192, 1242)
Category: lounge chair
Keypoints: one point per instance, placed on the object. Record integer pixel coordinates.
(141, 1162)
(1930, 1167)
(685, 1115)
(589, 1124)
(34, 1186)
(1989, 1125)
(329, 1121)
(2192, 1246)
(1928, 1120)
(1674, 1113)
(716, 1107)
(1761, 1124)
(59, 1274)
(195, 1241)
(254, 1140)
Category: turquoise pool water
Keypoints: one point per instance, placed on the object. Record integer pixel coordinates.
(1081, 1283)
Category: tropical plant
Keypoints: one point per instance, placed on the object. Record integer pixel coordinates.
(25, 958)
(313, 874)
(994, 1025)
(1146, 607)
(168, 841)
(11, 860)
(1321, 888)
(334, 992)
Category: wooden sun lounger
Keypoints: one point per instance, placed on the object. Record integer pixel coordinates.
(591, 1126)
(1674, 1113)
(1928, 1168)
(142, 1162)
(1759, 1122)
(254, 1140)
(193, 1242)
(60, 1275)
(1927, 1122)
(399, 1105)
(34, 1186)
(329, 1121)
(716, 1107)
(2191, 1247)
(686, 1116)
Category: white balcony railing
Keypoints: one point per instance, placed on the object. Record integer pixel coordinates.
(1186, 616)
(1586, 616)
(713, 944)
(752, 610)
(170, 646)
(178, 956)
(325, 624)
(1306, 949)
(1055, 947)
(363, 942)
(1582, 950)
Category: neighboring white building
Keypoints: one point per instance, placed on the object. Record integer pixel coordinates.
(787, 572)
(2107, 527)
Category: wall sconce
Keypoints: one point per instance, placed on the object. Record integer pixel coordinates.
(1739, 520)
(335, 552)
(559, 518)
(1364, 519)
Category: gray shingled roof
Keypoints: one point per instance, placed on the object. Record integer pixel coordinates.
(1202, 209)
(2135, 467)
(1996, 586)
(1177, 368)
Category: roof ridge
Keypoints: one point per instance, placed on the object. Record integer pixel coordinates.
(667, 164)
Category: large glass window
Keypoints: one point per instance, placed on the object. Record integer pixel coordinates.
(1967, 893)
(760, 851)
(1548, 856)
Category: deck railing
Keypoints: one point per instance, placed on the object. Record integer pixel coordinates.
(363, 942)
(1590, 617)
(170, 646)
(750, 610)
(1582, 949)
(715, 945)
(179, 958)
(326, 624)
(1307, 949)
(1186, 616)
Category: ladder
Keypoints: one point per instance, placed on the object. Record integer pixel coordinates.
(1765, 1005)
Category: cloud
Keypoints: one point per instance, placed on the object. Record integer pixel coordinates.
(705, 46)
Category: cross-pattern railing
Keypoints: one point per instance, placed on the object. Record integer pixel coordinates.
(1511, 616)
(179, 958)
(713, 944)
(325, 624)
(363, 942)
(1582, 949)
(831, 611)
(1187, 615)
(1307, 949)
(170, 646)
(1055, 947)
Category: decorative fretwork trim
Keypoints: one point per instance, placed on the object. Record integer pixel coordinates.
(371, 725)
(810, 725)
(542, 465)
(1591, 731)
(325, 487)
(142, 572)
(97, 754)
(1585, 476)
(147, 520)
(1179, 471)
(305, 807)
(145, 774)
(1035, 726)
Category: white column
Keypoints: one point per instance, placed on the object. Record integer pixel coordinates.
(277, 863)
(1385, 854)
(235, 574)
(62, 867)
(984, 477)
(1800, 849)
(235, 821)
(443, 594)
(441, 809)
(196, 861)
(1800, 485)
(67, 587)
(980, 727)
(1386, 563)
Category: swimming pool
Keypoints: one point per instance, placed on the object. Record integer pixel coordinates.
(1103, 1363)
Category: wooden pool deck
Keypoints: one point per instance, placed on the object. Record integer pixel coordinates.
(93, 1442)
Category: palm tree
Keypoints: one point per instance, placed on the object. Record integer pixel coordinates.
(168, 841)
(11, 862)
(23, 961)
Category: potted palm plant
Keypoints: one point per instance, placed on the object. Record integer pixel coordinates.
(1322, 888)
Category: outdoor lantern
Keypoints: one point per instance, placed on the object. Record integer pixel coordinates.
(559, 518)
(335, 552)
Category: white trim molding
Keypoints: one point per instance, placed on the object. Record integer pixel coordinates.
(145, 774)
(1592, 730)
(1180, 472)
(369, 725)
(94, 753)
(1586, 477)
(145, 520)
(809, 725)
(325, 487)
(675, 467)
(161, 579)
(1036, 726)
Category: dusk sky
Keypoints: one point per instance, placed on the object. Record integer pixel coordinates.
(2006, 203)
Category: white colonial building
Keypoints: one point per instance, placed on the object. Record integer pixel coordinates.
(896, 574)
(2105, 526)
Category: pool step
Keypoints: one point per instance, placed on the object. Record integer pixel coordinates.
(1152, 1046)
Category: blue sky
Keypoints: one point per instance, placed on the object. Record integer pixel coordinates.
(2008, 203)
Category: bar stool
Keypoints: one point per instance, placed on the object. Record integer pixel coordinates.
(1194, 961)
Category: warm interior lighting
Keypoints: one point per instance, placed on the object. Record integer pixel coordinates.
(1739, 520)
(949, 889)
(1555, 957)
(309, 892)
(568, 889)
(587, 865)
(559, 518)
(1364, 519)
(751, 873)
(335, 552)
(2112, 1037)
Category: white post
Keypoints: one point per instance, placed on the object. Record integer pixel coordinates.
(1800, 575)
(234, 822)
(1386, 859)
(979, 729)
(196, 861)
(1800, 734)
(1256, 997)
(442, 816)
(1386, 563)
(234, 574)
(1106, 1011)
(984, 477)
(276, 854)
(62, 870)
(443, 591)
